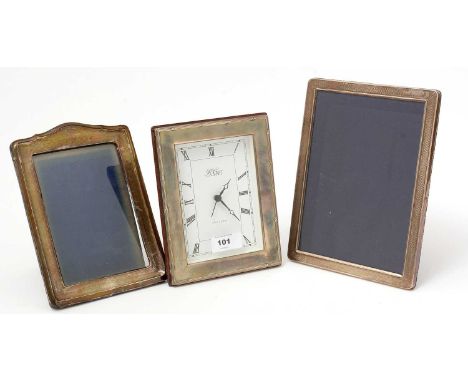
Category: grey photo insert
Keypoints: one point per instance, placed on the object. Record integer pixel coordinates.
(360, 179)
(89, 212)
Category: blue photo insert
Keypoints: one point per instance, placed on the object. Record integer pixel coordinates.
(89, 212)
(360, 179)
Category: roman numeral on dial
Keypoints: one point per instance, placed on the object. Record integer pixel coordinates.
(211, 150)
(186, 184)
(190, 220)
(243, 192)
(196, 248)
(184, 153)
(242, 175)
(245, 211)
(187, 202)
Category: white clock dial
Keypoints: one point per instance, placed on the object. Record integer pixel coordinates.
(219, 198)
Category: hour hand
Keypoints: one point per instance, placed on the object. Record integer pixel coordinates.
(225, 187)
(230, 211)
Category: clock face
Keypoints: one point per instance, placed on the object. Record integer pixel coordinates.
(219, 198)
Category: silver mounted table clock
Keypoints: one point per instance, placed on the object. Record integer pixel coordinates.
(217, 197)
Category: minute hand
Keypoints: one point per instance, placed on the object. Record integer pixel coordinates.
(230, 211)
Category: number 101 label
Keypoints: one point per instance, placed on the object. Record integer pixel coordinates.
(226, 243)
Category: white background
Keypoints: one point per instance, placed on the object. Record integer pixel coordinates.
(213, 59)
